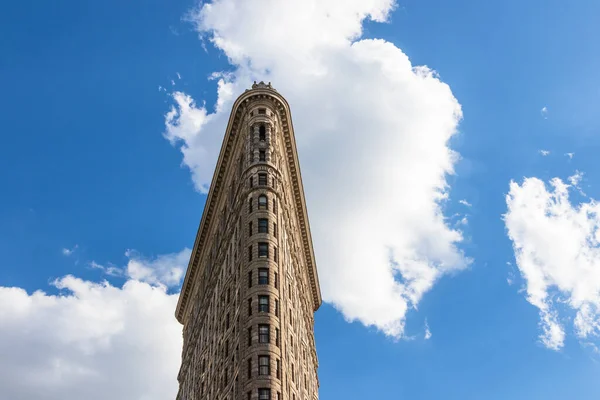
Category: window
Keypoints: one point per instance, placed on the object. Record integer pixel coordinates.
(251, 180)
(264, 394)
(275, 205)
(262, 111)
(249, 253)
(263, 303)
(262, 133)
(262, 179)
(264, 334)
(275, 254)
(277, 308)
(277, 337)
(249, 336)
(250, 228)
(249, 396)
(275, 280)
(274, 229)
(262, 155)
(263, 225)
(249, 205)
(263, 250)
(278, 369)
(249, 368)
(263, 202)
(264, 367)
(249, 306)
(249, 279)
(263, 276)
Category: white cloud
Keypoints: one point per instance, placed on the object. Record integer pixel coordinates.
(465, 203)
(576, 178)
(68, 252)
(178, 75)
(570, 155)
(544, 112)
(356, 103)
(427, 331)
(557, 248)
(92, 341)
(166, 269)
(544, 152)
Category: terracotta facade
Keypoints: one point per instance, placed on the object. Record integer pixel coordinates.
(251, 287)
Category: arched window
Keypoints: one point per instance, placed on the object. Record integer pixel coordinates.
(263, 203)
(262, 133)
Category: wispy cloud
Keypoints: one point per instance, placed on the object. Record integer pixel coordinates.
(465, 203)
(544, 152)
(428, 333)
(68, 252)
(544, 112)
(570, 155)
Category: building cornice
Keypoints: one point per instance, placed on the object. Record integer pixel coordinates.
(259, 91)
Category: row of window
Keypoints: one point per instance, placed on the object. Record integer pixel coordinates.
(264, 394)
(263, 278)
(262, 177)
(263, 305)
(263, 251)
(263, 204)
(263, 227)
(264, 366)
(264, 335)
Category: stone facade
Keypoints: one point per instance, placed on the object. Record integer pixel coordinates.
(251, 287)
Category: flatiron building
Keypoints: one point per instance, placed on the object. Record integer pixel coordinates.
(251, 288)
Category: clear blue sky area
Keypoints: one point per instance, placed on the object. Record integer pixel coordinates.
(83, 162)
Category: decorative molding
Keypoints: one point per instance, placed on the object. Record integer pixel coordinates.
(259, 91)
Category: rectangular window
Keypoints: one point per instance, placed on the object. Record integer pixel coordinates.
(250, 228)
(276, 280)
(263, 250)
(264, 394)
(249, 253)
(275, 206)
(263, 276)
(262, 111)
(275, 254)
(264, 333)
(278, 369)
(249, 336)
(262, 179)
(262, 155)
(264, 365)
(263, 303)
(249, 279)
(251, 180)
(275, 229)
(249, 205)
(249, 306)
(263, 225)
(277, 337)
(277, 308)
(249, 368)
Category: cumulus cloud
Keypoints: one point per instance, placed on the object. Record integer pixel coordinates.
(557, 248)
(91, 341)
(544, 152)
(165, 269)
(372, 132)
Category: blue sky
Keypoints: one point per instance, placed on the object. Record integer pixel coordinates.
(85, 166)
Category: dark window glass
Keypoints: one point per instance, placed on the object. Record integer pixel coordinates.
(264, 394)
(250, 228)
(275, 229)
(249, 368)
(262, 111)
(262, 179)
(277, 337)
(250, 336)
(278, 369)
(249, 306)
(263, 276)
(262, 155)
(263, 250)
(251, 180)
(263, 203)
(263, 225)
(264, 334)
(249, 253)
(250, 205)
(249, 279)
(263, 303)
(264, 367)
